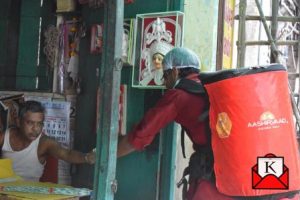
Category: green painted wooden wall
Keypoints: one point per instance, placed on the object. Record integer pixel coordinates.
(19, 54)
(9, 37)
(28, 45)
(28, 67)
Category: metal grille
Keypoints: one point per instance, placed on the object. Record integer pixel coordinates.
(280, 20)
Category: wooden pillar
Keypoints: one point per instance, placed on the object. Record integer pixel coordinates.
(109, 83)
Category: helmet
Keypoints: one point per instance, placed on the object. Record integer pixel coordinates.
(181, 58)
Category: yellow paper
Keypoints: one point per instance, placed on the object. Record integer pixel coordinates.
(6, 170)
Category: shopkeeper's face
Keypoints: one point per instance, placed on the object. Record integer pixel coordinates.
(31, 125)
(157, 60)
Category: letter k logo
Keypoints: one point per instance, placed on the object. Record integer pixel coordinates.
(270, 173)
(269, 166)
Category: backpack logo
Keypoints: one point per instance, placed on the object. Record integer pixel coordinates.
(267, 121)
(223, 125)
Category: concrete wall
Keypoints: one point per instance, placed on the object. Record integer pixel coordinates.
(201, 26)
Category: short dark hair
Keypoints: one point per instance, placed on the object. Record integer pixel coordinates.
(183, 72)
(31, 106)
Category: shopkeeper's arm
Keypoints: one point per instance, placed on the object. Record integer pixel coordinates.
(49, 146)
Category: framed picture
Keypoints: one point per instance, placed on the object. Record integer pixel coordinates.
(127, 43)
(96, 38)
(155, 35)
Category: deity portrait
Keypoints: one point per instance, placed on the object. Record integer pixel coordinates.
(158, 40)
(153, 63)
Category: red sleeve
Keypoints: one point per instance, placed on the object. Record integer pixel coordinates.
(155, 119)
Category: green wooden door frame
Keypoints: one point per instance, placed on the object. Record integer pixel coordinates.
(32, 72)
(167, 162)
(109, 83)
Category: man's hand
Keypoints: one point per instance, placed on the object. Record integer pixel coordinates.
(49, 146)
(90, 157)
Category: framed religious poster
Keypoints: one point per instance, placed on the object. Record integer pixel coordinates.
(127, 42)
(155, 35)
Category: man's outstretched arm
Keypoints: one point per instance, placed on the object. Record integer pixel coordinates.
(72, 156)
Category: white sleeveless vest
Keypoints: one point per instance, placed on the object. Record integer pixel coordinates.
(25, 162)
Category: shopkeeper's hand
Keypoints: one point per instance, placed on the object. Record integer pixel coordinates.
(90, 157)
